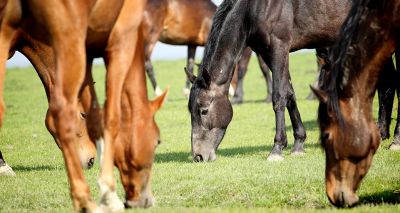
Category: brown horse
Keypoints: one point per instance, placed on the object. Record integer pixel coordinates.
(176, 22)
(349, 133)
(106, 37)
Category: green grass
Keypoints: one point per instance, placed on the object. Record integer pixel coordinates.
(241, 180)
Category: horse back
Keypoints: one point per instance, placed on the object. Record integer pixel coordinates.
(187, 22)
(316, 23)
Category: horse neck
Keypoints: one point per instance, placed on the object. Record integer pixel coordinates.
(225, 44)
(135, 83)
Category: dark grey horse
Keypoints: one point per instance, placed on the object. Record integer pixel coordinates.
(272, 28)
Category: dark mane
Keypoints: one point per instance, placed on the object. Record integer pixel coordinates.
(218, 21)
(344, 59)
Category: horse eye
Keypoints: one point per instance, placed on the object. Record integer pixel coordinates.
(203, 111)
(83, 115)
(325, 136)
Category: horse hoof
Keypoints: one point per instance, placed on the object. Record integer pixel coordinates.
(298, 153)
(158, 91)
(6, 170)
(394, 147)
(275, 157)
(111, 203)
(186, 92)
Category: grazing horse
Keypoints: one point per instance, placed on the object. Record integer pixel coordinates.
(349, 133)
(176, 22)
(105, 32)
(271, 28)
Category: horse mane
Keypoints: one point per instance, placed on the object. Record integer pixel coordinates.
(212, 41)
(347, 55)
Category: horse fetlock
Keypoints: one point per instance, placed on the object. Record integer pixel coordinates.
(298, 148)
(109, 200)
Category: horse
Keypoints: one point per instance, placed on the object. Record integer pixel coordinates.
(349, 134)
(176, 22)
(105, 38)
(272, 29)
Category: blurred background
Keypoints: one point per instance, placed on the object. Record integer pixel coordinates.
(160, 52)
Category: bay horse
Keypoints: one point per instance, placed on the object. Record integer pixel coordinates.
(349, 134)
(272, 29)
(105, 37)
(176, 22)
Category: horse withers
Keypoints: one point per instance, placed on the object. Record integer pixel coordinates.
(349, 134)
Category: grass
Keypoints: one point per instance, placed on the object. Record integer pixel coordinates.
(241, 180)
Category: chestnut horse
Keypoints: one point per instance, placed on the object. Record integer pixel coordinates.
(272, 29)
(349, 133)
(176, 22)
(106, 36)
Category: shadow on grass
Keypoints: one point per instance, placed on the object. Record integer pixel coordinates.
(252, 102)
(185, 157)
(388, 197)
(36, 168)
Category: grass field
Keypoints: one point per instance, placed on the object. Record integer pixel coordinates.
(240, 180)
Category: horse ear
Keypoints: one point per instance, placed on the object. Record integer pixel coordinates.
(321, 95)
(190, 76)
(206, 78)
(157, 103)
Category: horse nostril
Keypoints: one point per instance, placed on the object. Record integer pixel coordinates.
(90, 163)
(198, 158)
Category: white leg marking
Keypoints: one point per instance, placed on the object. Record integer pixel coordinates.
(100, 150)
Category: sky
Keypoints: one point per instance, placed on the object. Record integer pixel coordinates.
(160, 52)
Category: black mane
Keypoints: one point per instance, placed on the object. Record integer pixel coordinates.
(345, 55)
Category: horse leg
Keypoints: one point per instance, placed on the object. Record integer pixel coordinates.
(299, 132)
(386, 92)
(5, 170)
(320, 52)
(149, 67)
(7, 32)
(265, 71)
(395, 145)
(190, 68)
(119, 55)
(70, 60)
(241, 72)
(280, 81)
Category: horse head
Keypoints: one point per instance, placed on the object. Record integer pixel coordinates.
(134, 151)
(211, 113)
(350, 138)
